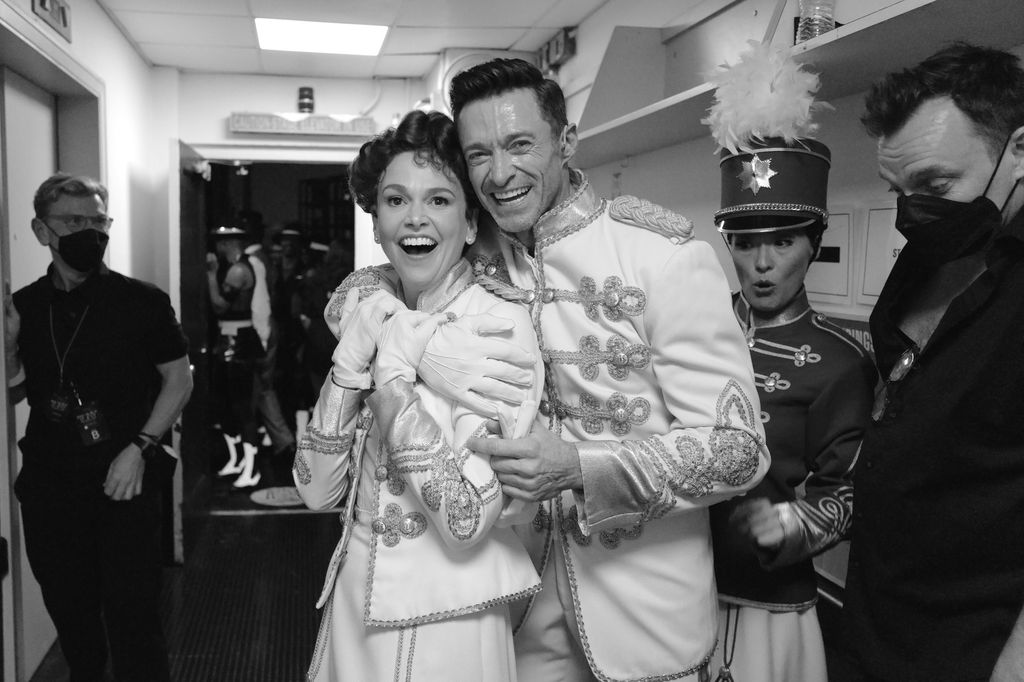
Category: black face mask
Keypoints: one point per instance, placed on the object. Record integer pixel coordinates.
(940, 230)
(83, 250)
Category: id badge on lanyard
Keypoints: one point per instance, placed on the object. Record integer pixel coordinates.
(66, 403)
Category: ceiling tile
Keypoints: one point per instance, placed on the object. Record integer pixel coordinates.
(533, 39)
(566, 13)
(377, 12)
(185, 29)
(323, 65)
(213, 59)
(221, 7)
(419, 41)
(471, 13)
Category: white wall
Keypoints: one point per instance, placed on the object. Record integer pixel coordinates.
(137, 118)
(592, 36)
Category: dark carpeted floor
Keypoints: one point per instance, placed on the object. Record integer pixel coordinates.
(241, 609)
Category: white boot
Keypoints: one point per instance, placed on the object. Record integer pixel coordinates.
(249, 476)
(233, 466)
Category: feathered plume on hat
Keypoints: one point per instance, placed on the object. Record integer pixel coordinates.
(774, 176)
(766, 94)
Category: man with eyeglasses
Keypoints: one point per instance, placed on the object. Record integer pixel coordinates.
(935, 587)
(102, 361)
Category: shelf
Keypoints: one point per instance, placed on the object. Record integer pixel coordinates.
(849, 59)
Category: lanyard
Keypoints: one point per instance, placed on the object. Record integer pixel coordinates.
(53, 337)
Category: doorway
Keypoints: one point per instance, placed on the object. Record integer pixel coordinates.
(298, 223)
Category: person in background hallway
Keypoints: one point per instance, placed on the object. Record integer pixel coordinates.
(268, 406)
(815, 382)
(420, 583)
(102, 361)
(651, 404)
(935, 588)
(287, 306)
(231, 283)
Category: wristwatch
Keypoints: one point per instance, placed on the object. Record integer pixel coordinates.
(145, 444)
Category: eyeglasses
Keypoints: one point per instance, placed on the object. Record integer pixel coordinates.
(80, 222)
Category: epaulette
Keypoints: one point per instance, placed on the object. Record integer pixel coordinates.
(650, 216)
(492, 274)
(367, 280)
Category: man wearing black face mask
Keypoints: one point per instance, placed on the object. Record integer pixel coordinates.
(102, 361)
(936, 576)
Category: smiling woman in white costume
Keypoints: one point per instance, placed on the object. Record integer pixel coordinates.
(419, 586)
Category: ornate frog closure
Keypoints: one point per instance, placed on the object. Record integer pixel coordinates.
(650, 216)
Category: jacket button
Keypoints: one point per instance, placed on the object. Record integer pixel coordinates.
(548, 296)
(381, 473)
(379, 526)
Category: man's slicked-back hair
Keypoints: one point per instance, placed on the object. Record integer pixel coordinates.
(64, 184)
(501, 75)
(431, 137)
(987, 85)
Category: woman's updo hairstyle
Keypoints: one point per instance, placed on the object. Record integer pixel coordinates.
(430, 136)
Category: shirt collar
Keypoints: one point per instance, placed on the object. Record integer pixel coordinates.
(581, 205)
(84, 290)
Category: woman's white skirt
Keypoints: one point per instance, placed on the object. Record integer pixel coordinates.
(472, 648)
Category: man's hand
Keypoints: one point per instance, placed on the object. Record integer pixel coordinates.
(212, 264)
(537, 467)
(124, 477)
(468, 361)
(759, 520)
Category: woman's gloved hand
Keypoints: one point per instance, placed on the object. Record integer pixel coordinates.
(362, 323)
(404, 336)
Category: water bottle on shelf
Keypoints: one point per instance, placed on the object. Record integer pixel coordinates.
(816, 17)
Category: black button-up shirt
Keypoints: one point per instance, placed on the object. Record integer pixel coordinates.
(936, 577)
(125, 328)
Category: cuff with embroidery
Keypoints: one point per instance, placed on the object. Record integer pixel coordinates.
(616, 489)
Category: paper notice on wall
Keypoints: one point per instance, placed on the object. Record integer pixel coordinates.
(830, 273)
(884, 244)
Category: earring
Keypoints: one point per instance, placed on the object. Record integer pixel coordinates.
(471, 237)
(376, 237)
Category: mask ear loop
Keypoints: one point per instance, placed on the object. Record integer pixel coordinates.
(992, 175)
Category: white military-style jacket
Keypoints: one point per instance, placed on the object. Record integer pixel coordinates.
(649, 374)
(434, 508)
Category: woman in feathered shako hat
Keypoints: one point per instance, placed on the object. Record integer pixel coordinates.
(814, 381)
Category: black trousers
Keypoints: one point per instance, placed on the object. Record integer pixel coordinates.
(98, 563)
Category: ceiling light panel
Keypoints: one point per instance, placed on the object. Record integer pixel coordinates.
(289, 35)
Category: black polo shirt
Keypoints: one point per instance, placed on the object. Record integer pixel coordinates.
(936, 577)
(125, 328)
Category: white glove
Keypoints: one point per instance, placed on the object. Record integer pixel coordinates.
(403, 338)
(360, 334)
(468, 361)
